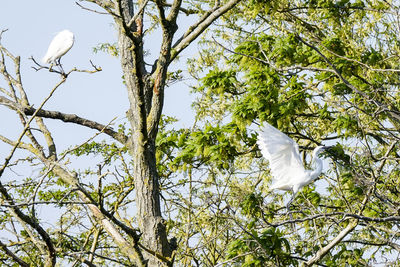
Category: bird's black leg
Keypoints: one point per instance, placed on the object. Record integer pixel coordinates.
(288, 209)
(59, 64)
(290, 202)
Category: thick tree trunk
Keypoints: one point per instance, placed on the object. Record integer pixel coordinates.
(148, 202)
(146, 96)
(140, 88)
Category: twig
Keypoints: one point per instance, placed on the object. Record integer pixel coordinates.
(39, 67)
(233, 259)
(350, 227)
(65, 74)
(344, 214)
(141, 8)
(1, 33)
(94, 244)
(26, 204)
(10, 253)
(200, 26)
(241, 54)
(391, 110)
(92, 10)
(8, 158)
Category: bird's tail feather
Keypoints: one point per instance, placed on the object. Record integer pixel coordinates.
(46, 59)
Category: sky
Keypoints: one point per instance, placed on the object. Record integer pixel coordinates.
(101, 96)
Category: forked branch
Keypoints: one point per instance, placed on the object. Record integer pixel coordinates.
(200, 27)
(39, 67)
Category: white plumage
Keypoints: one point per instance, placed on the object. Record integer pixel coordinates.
(59, 46)
(286, 166)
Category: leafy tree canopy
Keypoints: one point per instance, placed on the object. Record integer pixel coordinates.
(323, 72)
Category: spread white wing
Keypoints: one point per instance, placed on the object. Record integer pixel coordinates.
(283, 156)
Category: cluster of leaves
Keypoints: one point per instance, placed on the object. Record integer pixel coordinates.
(270, 245)
(111, 49)
(321, 71)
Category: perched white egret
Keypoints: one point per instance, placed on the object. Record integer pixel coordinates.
(60, 45)
(286, 166)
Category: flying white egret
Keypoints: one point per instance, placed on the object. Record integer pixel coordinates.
(286, 166)
(60, 45)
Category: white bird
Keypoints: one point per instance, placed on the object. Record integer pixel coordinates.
(58, 47)
(286, 166)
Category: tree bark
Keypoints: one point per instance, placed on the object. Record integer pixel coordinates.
(146, 97)
(140, 86)
(323, 251)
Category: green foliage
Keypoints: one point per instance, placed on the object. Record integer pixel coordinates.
(250, 205)
(219, 82)
(324, 72)
(345, 256)
(111, 49)
(108, 151)
(272, 249)
(213, 144)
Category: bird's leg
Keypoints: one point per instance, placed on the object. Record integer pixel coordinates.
(288, 210)
(59, 64)
(290, 202)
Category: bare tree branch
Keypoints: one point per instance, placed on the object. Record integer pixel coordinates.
(92, 10)
(13, 256)
(130, 250)
(341, 214)
(51, 252)
(323, 251)
(27, 126)
(392, 110)
(71, 118)
(106, 5)
(195, 32)
(349, 228)
(138, 13)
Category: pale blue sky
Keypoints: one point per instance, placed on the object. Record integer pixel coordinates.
(101, 97)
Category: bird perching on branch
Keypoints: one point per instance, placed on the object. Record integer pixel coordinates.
(286, 166)
(58, 47)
